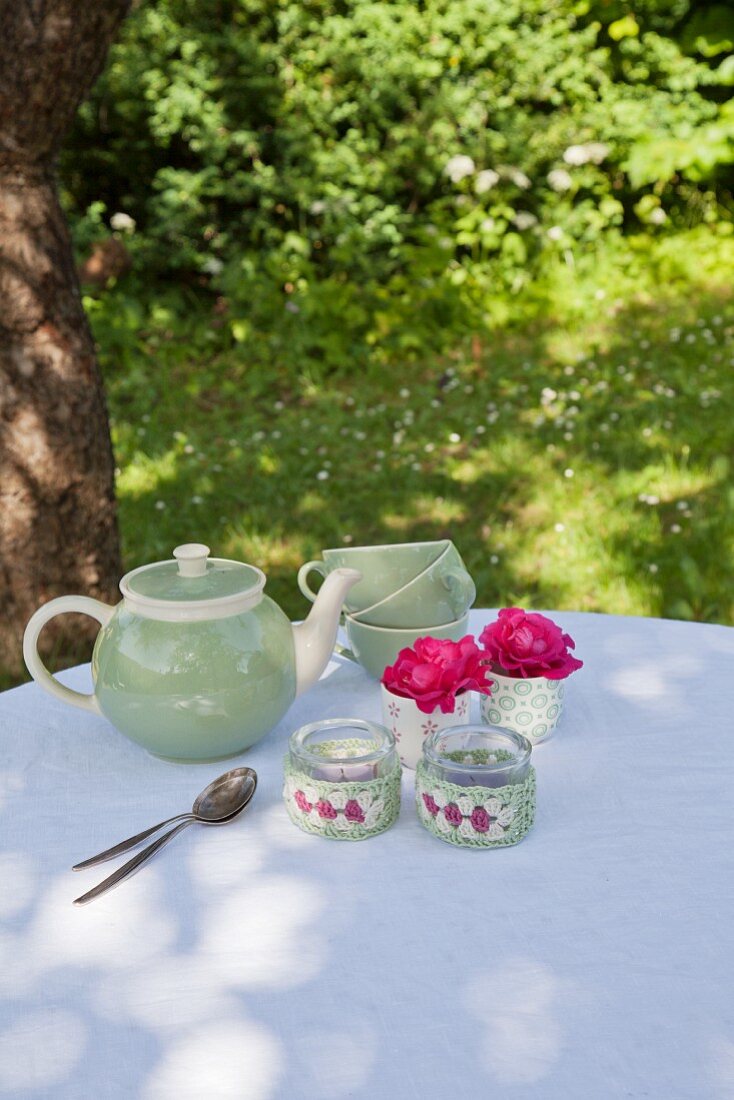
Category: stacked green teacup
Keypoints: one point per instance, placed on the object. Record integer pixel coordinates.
(408, 590)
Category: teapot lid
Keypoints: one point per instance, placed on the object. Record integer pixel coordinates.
(192, 586)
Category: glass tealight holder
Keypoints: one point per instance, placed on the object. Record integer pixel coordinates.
(342, 779)
(475, 786)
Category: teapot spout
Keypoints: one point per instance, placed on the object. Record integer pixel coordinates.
(314, 638)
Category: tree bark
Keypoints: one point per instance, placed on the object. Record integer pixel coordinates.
(58, 525)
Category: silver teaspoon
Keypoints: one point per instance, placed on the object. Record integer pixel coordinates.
(219, 803)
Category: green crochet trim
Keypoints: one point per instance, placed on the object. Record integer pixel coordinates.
(479, 756)
(350, 747)
(475, 817)
(341, 811)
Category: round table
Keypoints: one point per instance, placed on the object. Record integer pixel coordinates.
(594, 960)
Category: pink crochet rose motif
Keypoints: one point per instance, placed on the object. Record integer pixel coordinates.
(452, 813)
(434, 671)
(353, 811)
(480, 819)
(430, 803)
(525, 644)
(302, 802)
(325, 809)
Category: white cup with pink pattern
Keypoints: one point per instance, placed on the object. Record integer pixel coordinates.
(410, 726)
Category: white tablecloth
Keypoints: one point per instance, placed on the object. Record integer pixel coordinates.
(592, 961)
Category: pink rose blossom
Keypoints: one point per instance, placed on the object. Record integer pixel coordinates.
(452, 813)
(302, 802)
(353, 811)
(434, 671)
(325, 809)
(480, 819)
(526, 644)
(430, 804)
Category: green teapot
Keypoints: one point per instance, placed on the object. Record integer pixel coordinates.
(196, 662)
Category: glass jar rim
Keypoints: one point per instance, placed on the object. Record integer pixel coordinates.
(515, 741)
(381, 736)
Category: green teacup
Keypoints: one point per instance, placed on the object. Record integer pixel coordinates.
(442, 593)
(384, 569)
(376, 647)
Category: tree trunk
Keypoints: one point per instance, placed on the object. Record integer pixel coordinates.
(58, 527)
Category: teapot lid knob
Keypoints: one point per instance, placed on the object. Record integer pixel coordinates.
(191, 558)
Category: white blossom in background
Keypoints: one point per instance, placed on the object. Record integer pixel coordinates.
(597, 151)
(459, 167)
(486, 180)
(517, 177)
(524, 220)
(212, 266)
(559, 179)
(576, 155)
(555, 233)
(594, 152)
(657, 216)
(123, 223)
(487, 225)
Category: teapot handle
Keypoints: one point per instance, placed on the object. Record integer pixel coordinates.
(82, 605)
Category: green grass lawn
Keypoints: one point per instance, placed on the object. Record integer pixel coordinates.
(580, 461)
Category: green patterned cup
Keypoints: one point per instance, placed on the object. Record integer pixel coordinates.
(530, 706)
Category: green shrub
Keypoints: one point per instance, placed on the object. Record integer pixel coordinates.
(377, 174)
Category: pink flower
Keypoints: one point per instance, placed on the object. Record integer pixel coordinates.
(430, 804)
(434, 671)
(452, 813)
(527, 644)
(480, 819)
(353, 811)
(326, 809)
(302, 802)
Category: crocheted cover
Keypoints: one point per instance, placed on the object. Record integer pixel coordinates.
(341, 811)
(475, 817)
